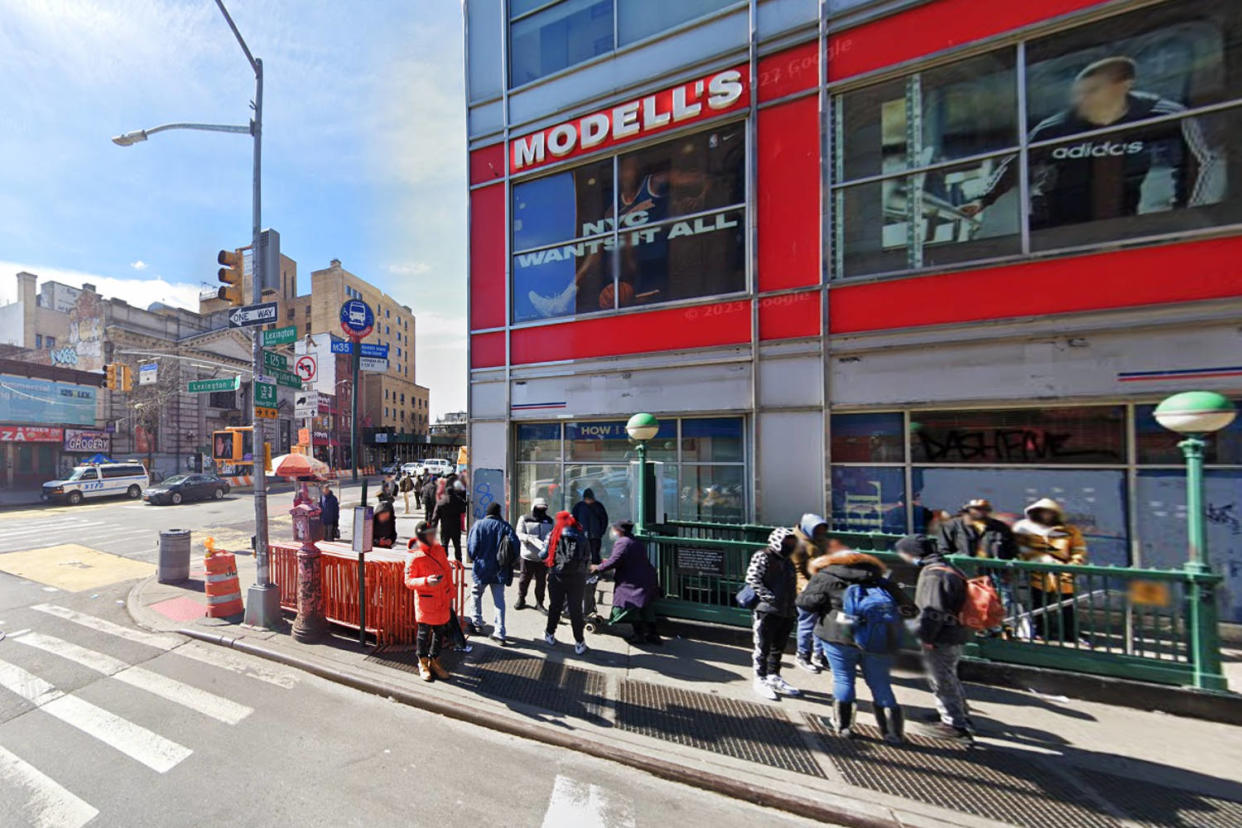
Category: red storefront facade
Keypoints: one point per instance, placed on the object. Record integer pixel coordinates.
(863, 264)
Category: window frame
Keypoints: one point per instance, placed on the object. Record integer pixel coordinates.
(1018, 41)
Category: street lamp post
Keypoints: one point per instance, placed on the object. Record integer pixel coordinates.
(641, 428)
(1195, 414)
(262, 599)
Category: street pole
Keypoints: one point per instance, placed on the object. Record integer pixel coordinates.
(1201, 600)
(353, 416)
(1196, 553)
(642, 486)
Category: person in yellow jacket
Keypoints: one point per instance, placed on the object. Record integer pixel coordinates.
(1044, 536)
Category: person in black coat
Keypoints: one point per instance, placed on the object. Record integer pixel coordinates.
(450, 508)
(826, 595)
(429, 497)
(772, 576)
(329, 513)
(384, 526)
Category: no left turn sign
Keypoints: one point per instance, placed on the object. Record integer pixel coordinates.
(306, 368)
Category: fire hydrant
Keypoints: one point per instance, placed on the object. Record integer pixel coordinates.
(310, 625)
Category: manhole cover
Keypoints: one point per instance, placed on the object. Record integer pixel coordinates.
(1151, 804)
(743, 730)
(1007, 787)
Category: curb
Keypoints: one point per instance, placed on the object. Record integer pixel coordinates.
(735, 789)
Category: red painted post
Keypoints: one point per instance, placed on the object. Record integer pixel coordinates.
(310, 625)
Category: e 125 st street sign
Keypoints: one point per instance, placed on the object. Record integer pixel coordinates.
(271, 360)
(262, 314)
(207, 386)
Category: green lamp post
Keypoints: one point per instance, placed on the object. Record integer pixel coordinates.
(1195, 414)
(641, 428)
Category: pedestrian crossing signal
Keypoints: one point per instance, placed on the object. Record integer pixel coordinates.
(226, 446)
(127, 377)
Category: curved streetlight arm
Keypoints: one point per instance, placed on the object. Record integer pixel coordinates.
(128, 139)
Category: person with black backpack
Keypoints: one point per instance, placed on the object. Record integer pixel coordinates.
(568, 558)
(493, 548)
(859, 625)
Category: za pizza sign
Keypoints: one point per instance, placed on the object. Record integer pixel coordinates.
(306, 368)
(30, 434)
(697, 100)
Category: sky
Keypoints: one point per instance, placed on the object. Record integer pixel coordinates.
(363, 150)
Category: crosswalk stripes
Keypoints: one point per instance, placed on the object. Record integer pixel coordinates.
(48, 804)
(22, 534)
(136, 742)
(73, 637)
(175, 691)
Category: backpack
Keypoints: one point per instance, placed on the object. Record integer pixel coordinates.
(505, 556)
(873, 611)
(572, 551)
(982, 609)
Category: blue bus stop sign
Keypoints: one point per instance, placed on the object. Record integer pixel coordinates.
(357, 320)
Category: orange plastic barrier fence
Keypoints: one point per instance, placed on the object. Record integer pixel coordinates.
(390, 606)
(223, 591)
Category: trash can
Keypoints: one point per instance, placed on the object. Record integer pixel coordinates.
(174, 559)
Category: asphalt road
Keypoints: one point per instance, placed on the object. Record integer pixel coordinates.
(103, 724)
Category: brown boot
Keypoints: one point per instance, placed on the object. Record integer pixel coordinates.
(424, 669)
(438, 670)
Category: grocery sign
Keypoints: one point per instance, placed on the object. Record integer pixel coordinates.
(87, 441)
(715, 94)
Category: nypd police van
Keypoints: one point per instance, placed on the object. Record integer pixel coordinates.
(98, 480)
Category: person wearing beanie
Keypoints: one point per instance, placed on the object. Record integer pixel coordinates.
(533, 531)
(567, 558)
(939, 597)
(384, 526)
(813, 541)
(637, 587)
(771, 575)
(487, 539)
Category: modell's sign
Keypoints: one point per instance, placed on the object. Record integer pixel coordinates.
(694, 101)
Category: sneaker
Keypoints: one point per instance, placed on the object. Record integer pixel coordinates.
(472, 627)
(539, 606)
(940, 730)
(499, 639)
(521, 605)
(580, 647)
(764, 690)
(465, 648)
(549, 639)
(818, 659)
(557, 305)
(783, 687)
(806, 664)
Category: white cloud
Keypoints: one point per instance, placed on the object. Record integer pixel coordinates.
(409, 269)
(138, 291)
(138, 265)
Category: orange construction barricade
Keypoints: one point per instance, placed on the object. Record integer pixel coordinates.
(223, 590)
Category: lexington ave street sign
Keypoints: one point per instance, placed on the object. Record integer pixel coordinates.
(205, 386)
(253, 315)
(280, 336)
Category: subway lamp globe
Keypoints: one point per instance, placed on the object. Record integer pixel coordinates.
(642, 427)
(1196, 412)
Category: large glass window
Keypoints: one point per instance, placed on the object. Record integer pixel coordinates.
(546, 36)
(701, 464)
(1125, 131)
(660, 223)
(1029, 436)
(556, 35)
(868, 438)
(637, 19)
(868, 499)
(1156, 445)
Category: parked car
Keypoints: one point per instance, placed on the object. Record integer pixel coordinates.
(438, 466)
(412, 469)
(391, 468)
(98, 480)
(184, 487)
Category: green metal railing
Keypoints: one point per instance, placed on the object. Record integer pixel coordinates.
(1147, 624)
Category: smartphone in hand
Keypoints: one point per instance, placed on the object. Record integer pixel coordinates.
(434, 579)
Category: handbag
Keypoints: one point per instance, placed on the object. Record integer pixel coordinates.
(747, 598)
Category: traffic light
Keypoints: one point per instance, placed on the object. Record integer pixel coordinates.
(225, 446)
(231, 276)
(127, 377)
(110, 374)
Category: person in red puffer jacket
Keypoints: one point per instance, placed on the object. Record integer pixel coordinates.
(429, 574)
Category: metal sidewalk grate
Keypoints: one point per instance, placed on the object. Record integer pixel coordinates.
(1008, 787)
(1150, 804)
(743, 730)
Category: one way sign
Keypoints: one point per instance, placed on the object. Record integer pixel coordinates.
(253, 315)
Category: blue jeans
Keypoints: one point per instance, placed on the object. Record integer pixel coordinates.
(498, 598)
(875, 669)
(806, 633)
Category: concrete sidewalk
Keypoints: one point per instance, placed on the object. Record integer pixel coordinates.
(686, 711)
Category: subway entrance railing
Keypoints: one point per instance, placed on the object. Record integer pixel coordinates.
(1145, 624)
